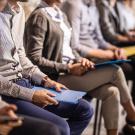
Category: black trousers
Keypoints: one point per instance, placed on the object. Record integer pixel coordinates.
(33, 126)
(129, 70)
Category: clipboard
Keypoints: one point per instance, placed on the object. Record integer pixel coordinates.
(107, 63)
(67, 96)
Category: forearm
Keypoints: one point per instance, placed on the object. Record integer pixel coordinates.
(11, 89)
(100, 54)
(112, 47)
(48, 65)
(122, 38)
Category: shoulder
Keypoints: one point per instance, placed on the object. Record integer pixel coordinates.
(103, 3)
(37, 16)
(73, 4)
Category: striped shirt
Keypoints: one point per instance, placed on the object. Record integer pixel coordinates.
(13, 60)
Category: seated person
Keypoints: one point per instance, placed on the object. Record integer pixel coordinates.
(112, 24)
(28, 126)
(47, 43)
(87, 38)
(128, 15)
(18, 76)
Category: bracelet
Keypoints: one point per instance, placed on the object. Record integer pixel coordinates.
(114, 56)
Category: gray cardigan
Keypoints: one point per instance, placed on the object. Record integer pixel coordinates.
(13, 60)
(44, 42)
(111, 21)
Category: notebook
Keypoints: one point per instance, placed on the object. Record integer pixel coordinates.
(68, 96)
(107, 63)
(130, 50)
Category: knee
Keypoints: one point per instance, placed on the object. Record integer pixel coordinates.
(54, 130)
(64, 127)
(118, 69)
(86, 110)
(112, 93)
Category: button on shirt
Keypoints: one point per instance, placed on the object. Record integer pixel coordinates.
(13, 60)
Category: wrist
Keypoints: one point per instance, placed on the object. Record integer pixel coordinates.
(114, 54)
(47, 82)
(44, 81)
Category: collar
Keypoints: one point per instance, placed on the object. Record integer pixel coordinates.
(13, 10)
(43, 4)
(55, 13)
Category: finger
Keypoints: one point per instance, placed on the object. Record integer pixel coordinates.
(83, 62)
(51, 100)
(44, 105)
(64, 87)
(50, 94)
(11, 107)
(88, 64)
(15, 124)
(58, 87)
(92, 65)
(47, 103)
(12, 114)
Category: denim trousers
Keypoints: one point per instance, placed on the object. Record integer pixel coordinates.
(71, 119)
(34, 126)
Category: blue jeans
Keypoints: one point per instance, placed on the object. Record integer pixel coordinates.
(77, 115)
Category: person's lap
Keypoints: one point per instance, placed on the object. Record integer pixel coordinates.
(29, 109)
(99, 77)
(79, 114)
(33, 126)
(90, 80)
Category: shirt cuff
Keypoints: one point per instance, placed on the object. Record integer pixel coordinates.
(26, 94)
(38, 76)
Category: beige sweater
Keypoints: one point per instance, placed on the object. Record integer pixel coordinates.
(13, 60)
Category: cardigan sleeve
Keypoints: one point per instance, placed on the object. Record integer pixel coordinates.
(8, 88)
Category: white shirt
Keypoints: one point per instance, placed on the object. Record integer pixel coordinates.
(129, 16)
(57, 16)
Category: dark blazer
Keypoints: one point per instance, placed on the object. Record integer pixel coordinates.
(111, 21)
(44, 42)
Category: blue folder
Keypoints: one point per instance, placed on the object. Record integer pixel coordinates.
(107, 63)
(68, 96)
